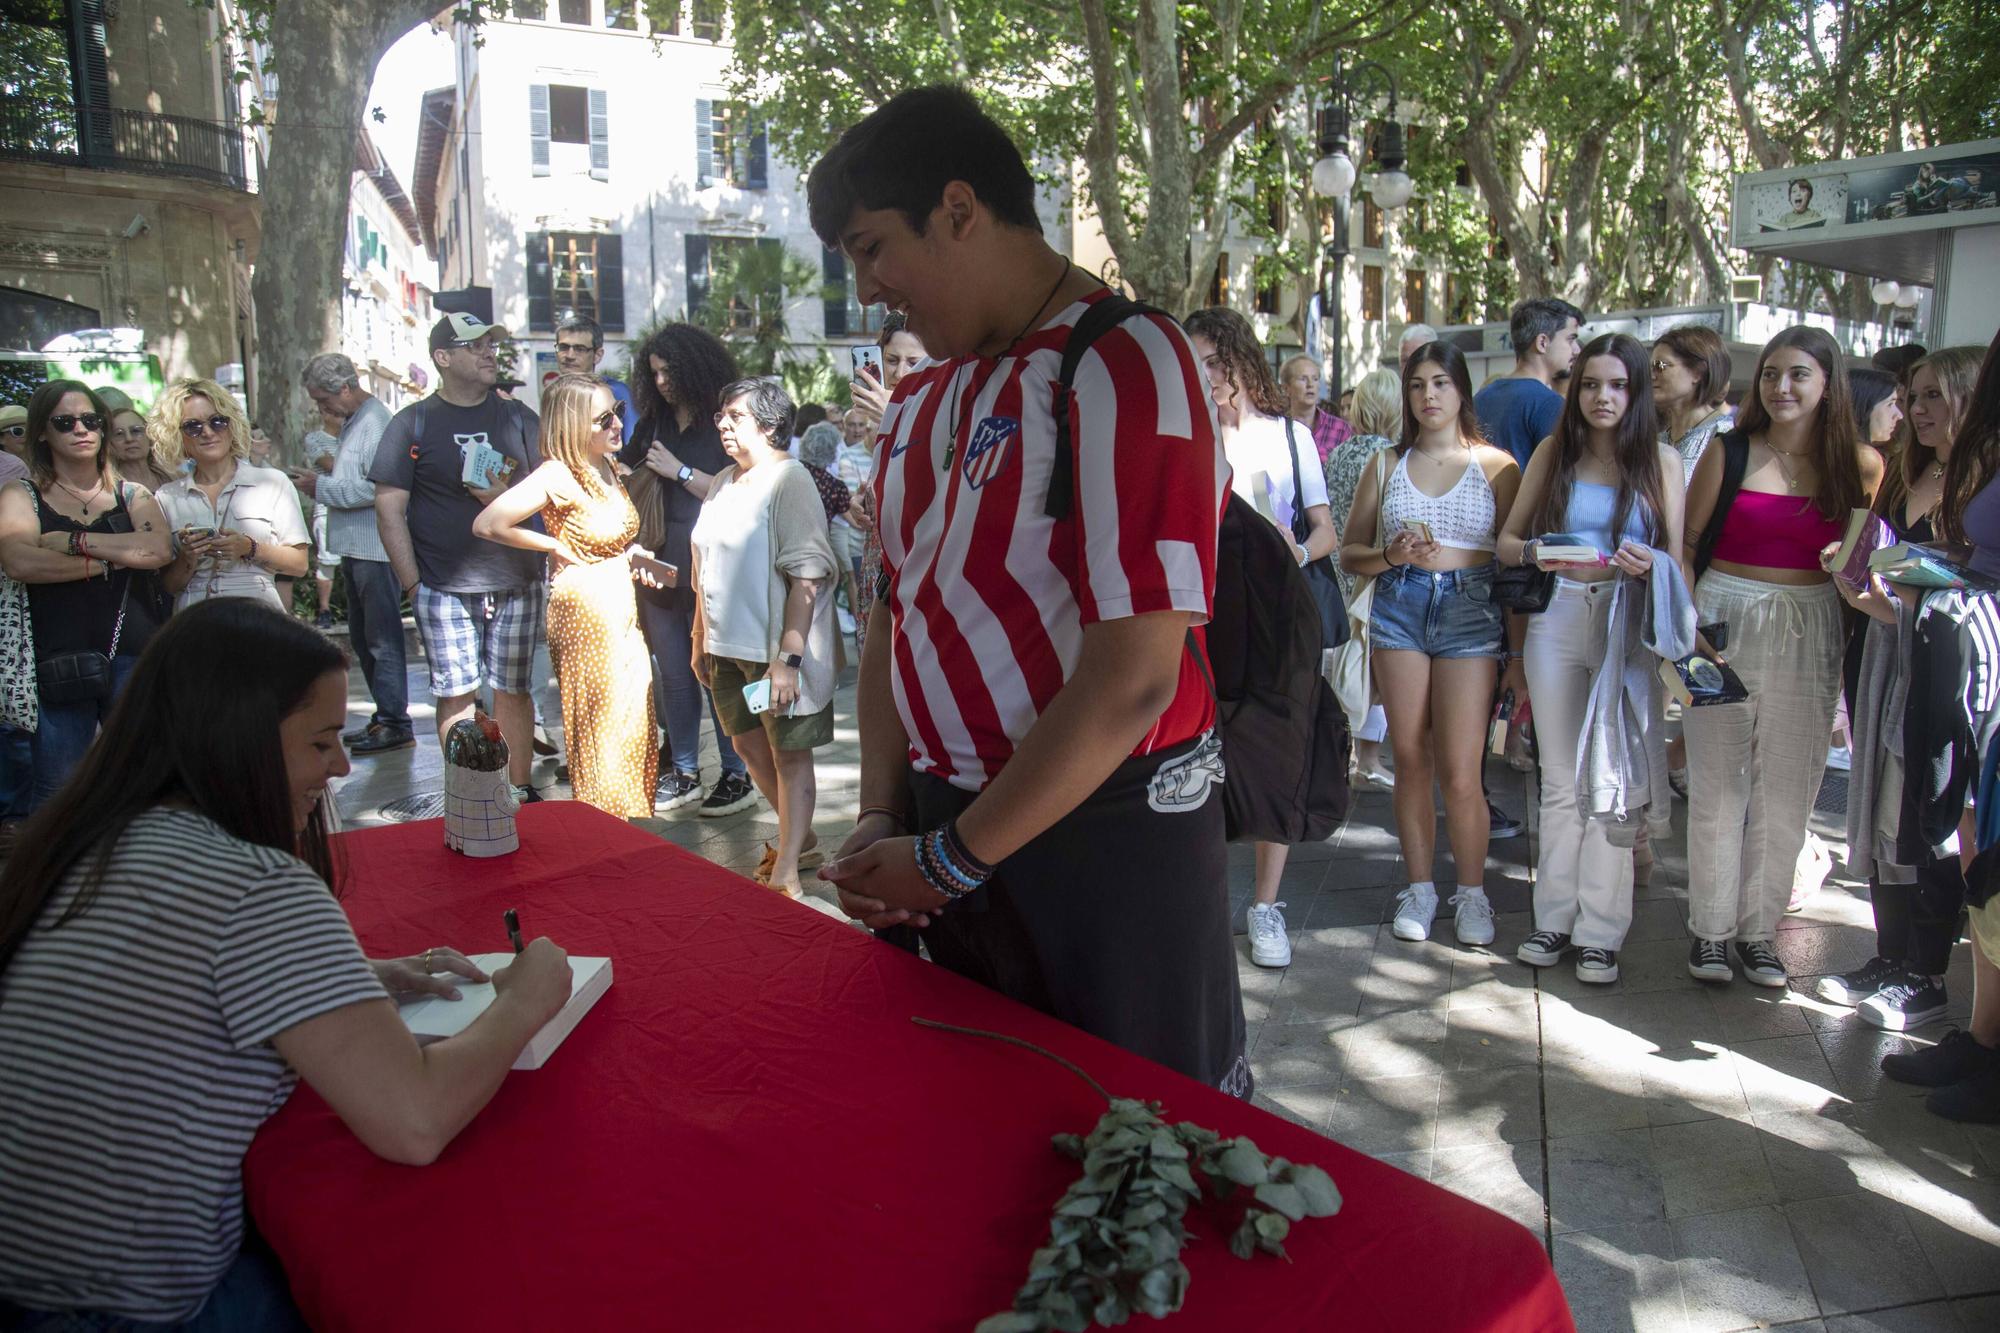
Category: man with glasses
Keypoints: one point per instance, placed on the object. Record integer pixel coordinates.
(579, 347)
(374, 597)
(479, 605)
(13, 443)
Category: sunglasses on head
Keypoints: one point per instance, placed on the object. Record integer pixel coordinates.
(65, 422)
(605, 420)
(220, 425)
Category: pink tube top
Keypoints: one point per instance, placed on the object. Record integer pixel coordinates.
(1775, 531)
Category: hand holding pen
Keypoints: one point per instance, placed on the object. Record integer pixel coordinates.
(539, 976)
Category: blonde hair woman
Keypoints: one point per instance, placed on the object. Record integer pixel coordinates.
(237, 527)
(600, 655)
(1377, 419)
(129, 442)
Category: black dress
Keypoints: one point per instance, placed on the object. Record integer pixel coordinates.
(82, 615)
(700, 447)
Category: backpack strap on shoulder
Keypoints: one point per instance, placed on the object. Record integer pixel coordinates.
(1097, 320)
(1735, 462)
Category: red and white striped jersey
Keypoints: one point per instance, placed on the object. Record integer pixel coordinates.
(989, 595)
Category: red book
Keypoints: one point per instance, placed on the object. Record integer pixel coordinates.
(1866, 534)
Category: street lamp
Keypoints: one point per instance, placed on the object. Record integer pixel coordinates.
(1334, 175)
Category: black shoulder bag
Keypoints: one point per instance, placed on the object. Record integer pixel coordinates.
(1319, 573)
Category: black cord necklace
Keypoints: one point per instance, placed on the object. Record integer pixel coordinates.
(951, 444)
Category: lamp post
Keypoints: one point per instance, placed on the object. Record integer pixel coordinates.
(1334, 174)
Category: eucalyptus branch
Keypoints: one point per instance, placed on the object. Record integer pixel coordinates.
(1024, 1044)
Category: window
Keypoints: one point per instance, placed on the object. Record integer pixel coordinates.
(1371, 224)
(580, 273)
(845, 316)
(1415, 281)
(1371, 291)
(756, 301)
(707, 20)
(622, 14)
(1265, 302)
(729, 146)
(574, 11)
(566, 114)
(1218, 286)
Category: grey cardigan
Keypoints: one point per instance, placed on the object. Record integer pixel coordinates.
(1621, 758)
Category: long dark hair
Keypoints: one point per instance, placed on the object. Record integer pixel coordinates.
(1236, 343)
(698, 365)
(1636, 456)
(41, 458)
(1836, 443)
(1975, 453)
(1452, 361)
(178, 734)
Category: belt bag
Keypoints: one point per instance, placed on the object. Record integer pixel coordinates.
(1524, 588)
(84, 675)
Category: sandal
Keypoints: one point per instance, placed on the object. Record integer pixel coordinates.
(809, 859)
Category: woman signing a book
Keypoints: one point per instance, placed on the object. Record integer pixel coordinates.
(1760, 509)
(1916, 896)
(173, 960)
(1604, 482)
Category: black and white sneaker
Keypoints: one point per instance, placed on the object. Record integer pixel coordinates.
(732, 792)
(1956, 1057)
(676, 789)
(1908, 1002)
(1760, 963)
(1503, 825)
(1544, 948)
(1708, 960)
(1597, 967)
(1851, 988)
(526, 794)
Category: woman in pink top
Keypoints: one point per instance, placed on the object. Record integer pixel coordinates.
(1754, 767)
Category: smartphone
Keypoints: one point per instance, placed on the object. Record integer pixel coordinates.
(193, 533)
(1421, 529)
(867, 361)
(669, 576)
(757, 694)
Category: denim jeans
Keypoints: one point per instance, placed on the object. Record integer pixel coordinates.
(670, 638)
(65, 733)
(252, 1297)
(17, 772)
(375, 630)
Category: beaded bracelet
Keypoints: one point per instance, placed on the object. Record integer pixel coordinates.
(901, 821)
(946, 865)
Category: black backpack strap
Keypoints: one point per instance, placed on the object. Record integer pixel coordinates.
(1300, 528)
(1735, 462)
(1098, 319)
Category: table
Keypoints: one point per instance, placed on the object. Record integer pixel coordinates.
(747, 1132)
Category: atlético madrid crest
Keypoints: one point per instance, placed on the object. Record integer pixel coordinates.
(987, 452)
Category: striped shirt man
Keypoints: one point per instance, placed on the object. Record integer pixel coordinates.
(991, 596)
(135, 1050)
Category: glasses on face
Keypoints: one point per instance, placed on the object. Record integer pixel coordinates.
(575, 349)
(605, 420)
(1662, 366)
(196, 427)
(740, 418)
(14, 432)
(128, 433)
(65, 422)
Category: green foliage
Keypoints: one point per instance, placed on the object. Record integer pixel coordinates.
(750, 284)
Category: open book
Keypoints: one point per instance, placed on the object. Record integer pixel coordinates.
(433, 1018)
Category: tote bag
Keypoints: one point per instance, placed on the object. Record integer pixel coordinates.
(1348, 667)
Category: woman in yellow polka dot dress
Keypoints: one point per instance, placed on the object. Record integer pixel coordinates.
(600, 655)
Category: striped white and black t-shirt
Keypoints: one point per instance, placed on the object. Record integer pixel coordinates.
(136, 1060)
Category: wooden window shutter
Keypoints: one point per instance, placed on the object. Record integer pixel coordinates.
(833, 295)
(611, 282)
(704, 147)
(541, 304)
(759, 177)
(600, 134)
(538, 127)
(697, 267)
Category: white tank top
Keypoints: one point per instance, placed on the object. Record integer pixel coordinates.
(1462, 518)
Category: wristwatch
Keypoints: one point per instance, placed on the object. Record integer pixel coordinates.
(684, 475)
(792, 660)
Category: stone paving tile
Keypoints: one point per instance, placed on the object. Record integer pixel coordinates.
(1604, 1180)
(1626, 1278)
(1741, 1268)
(1506, 1177)
(1860, 1253)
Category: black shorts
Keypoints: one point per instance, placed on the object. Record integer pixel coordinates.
(1116, 919)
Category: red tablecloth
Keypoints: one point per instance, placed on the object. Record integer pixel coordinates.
(747, 1132)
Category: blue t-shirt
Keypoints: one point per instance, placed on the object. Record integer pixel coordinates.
(1517, 414)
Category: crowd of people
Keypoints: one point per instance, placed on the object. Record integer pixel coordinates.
(1041, 746)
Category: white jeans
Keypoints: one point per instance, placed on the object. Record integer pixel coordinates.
(1583, 884)
(1754, 767)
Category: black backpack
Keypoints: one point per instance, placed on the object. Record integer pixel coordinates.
(1284, 734)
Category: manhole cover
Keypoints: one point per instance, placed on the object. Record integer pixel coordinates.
(426, 805)
(1832, 798)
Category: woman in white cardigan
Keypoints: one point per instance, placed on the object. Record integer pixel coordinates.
(763, 624)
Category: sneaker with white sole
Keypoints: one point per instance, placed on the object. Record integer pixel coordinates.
(1472, 922)
(1908, 1002)
(1851, 988)
(1597, 967)
(1761, 963)
(1416, 908)
(731, 792)
(1708, 960)
(676, 789)
(1269, 945)
(1544, 948)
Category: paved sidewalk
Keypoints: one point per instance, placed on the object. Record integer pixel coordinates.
(1696, 1158)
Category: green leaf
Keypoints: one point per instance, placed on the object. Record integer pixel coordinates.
(1069, 1145)
(1316, 1187)
(1080, 1205)
(1243, 1240)
(1110, 1309)
(1243, 1164)
(1177, 1175)
(1010, 1321)
(1283, 1197)
(1270, 1226)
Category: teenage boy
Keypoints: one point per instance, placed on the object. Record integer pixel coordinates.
(1030, 704)
(1519, 410)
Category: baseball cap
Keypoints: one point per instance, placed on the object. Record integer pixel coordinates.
(13, 415)
(459, 329)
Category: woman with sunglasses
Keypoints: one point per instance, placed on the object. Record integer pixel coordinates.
(600, 655)
(237, 526)
(131, 445)
(79, 539)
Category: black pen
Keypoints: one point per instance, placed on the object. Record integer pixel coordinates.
(513, 920)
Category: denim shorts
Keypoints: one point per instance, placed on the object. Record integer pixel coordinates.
(1448, 613)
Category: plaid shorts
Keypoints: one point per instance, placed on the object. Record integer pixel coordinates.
(472, 637)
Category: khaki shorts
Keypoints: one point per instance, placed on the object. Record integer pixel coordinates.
(727, 677)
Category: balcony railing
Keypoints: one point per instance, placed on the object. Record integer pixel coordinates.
(117, 139)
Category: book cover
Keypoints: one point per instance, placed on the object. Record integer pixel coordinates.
(484, 466)
(1866, 534)
(1921, 566)
(433, 1018)
(1696, 682)
(1566, 548)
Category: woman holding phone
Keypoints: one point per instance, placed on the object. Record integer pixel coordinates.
(1425, 521)
(763, 626)
(594, 637)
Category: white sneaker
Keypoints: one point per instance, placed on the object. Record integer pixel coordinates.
(1416, 906)
(1473, 922)
(1269, 945)
(846, 620)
